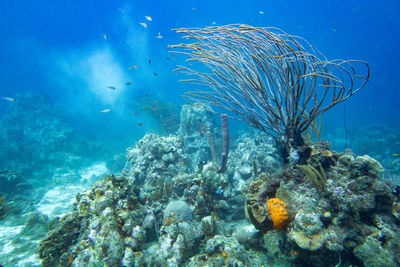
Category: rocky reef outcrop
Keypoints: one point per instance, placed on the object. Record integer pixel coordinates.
(340, 207)
(172, 207)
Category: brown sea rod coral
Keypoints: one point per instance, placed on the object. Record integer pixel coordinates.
(273, 81)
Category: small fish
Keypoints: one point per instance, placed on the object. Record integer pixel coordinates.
(128, 83)
(105, 110)
(9, 99)
(168, 58)
(213, 23)
(193, 8)
(133, 67)
(147, 95)
(155, 74)
(261, 12)
(159, 36)
(143, 24)
(148, 18)
(140, 124)
(149, 60)
(111, 87)
(105, 36)
(395, 154)
(134, 112)
(154, 107)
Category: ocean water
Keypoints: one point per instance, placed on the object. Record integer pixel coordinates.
(88, 90)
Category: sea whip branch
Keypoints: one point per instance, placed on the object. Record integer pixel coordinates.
(273, 81)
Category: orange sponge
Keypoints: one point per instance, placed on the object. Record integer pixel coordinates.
(278, 214)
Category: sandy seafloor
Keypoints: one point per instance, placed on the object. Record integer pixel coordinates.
(56, 202)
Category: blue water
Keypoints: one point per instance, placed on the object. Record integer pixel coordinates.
(78, 58)
(57, 48)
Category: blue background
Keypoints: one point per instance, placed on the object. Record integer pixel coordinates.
(56, 48)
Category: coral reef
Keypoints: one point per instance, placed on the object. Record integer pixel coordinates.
(334, 208)
(381, 142)
(103, 220)
(35, 136)
(160, 196)
(155, 157)
(227, 251)
(201, 138)
(253, 153)
(353, 208)
(40, 154)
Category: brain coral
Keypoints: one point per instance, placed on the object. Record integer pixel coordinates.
(278, 214)
(180, 209)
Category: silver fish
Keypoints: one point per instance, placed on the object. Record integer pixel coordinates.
(9, 99)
